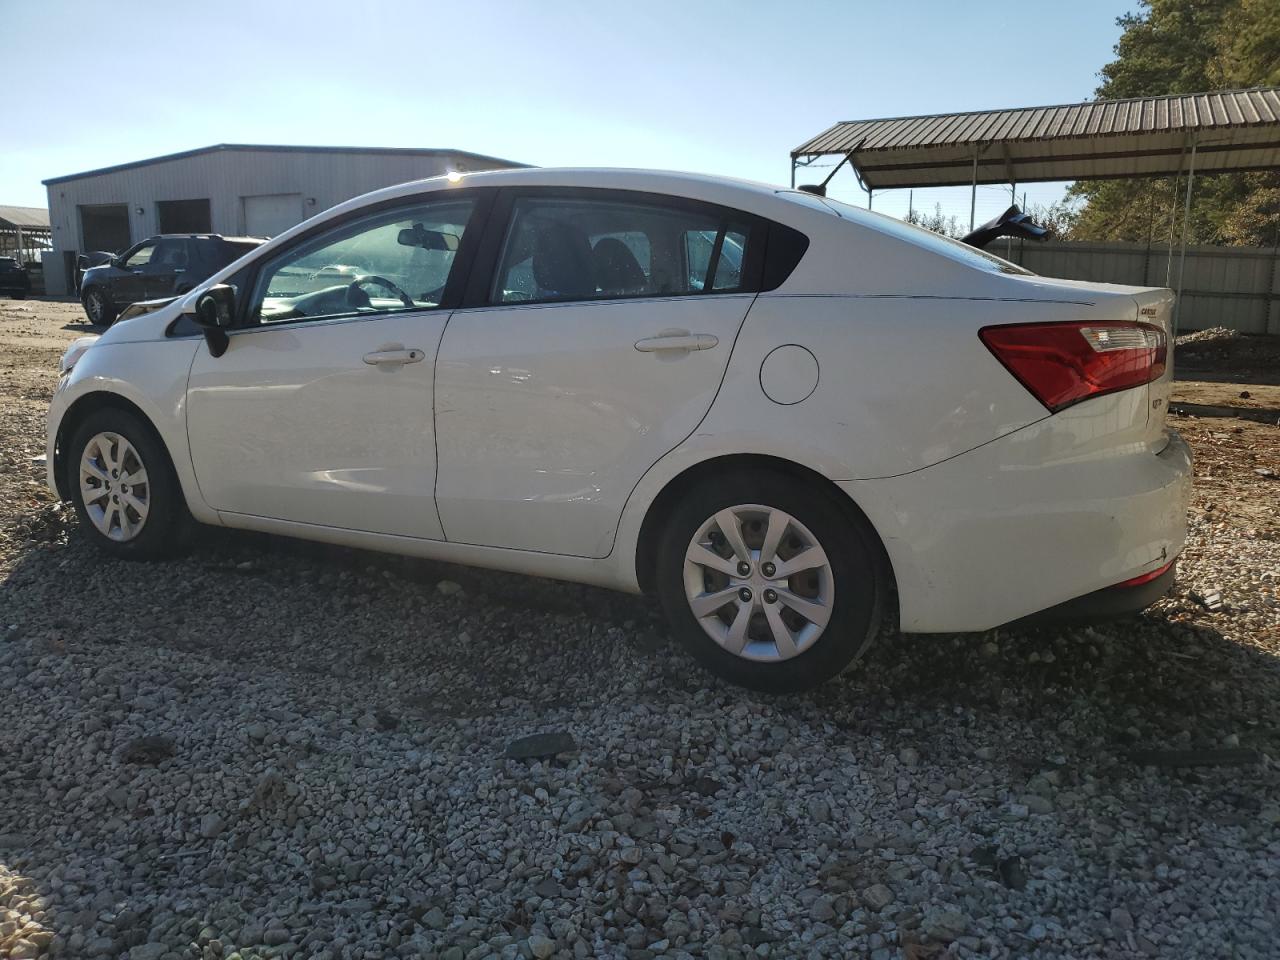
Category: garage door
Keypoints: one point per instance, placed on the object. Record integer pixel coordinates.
(271, 213)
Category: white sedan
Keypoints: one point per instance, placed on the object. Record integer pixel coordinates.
(787, 418)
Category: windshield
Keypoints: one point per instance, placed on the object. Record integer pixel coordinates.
(920, 237)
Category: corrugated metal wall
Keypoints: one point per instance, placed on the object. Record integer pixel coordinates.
(1235, 287)
(225, 177)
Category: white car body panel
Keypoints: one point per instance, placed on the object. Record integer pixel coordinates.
(1030, 521)
(988, 507)
(548, 415)
(291, 423)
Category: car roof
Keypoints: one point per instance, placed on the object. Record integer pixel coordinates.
(204, 236)
(749, 195)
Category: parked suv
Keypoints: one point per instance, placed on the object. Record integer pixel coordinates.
(162, 266)
(13, 278)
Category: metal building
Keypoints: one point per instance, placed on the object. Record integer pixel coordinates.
(232, 189)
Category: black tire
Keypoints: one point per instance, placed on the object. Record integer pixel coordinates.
(107, 313)
(856, 567)
(168, 521)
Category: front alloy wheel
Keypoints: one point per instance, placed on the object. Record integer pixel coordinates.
(126, 494)
(98, 308)
(114, 487)
(770, 581)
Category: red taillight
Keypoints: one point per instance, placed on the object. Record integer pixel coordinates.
(1145, 577)
(1064, 363)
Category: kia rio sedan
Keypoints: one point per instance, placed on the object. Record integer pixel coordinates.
(785, 418)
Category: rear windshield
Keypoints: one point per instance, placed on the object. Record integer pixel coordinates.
(920, 237)
(8, 262)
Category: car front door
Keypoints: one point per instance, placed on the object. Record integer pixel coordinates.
(595, 345)
(129, 275)
(319, 411)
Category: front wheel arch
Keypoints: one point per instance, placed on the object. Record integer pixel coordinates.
(76, 414)
(660, 509)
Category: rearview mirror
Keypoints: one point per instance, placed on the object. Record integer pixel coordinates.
(216, 307)
(420, 236)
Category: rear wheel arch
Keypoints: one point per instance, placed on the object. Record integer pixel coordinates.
(660, 509)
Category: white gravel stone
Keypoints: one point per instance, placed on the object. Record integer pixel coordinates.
(325, 762)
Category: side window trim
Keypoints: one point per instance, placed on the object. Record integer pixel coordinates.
(483, 198)
(484, 269)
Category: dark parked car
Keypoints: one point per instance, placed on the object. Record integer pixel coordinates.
(13, 278)
(157, 267)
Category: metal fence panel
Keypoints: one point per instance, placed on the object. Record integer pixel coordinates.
(1235, 287)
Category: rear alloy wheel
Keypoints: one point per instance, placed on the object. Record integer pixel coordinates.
(123, 486)
(770, 584)
(98, 308)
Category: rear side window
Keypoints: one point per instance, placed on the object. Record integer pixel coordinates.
(171, 254)
(226, 251)
(563, 248)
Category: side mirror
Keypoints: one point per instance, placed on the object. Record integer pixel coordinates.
(116, 262)
(216, 307)
(215, 311)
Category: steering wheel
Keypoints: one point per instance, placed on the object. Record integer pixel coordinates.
(358, 298)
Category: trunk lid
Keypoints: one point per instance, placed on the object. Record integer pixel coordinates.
(1155, 306)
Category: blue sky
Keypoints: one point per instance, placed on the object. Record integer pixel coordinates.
(715, 87)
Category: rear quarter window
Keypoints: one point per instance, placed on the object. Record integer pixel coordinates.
(908, 233)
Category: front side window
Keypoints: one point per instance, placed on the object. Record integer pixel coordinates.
(386, 262)
(139, 257)
(575, 249)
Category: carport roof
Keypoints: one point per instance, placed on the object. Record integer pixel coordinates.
(269, 148)
(36, 217)
(1234, 130)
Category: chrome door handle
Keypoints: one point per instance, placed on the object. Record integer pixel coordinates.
(397, 357)
(677, 341)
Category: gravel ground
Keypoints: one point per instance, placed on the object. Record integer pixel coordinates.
(277, 749)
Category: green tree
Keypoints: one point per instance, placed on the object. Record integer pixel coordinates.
(1186, 46)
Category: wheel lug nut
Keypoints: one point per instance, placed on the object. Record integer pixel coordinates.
(768, 569)
(114, 498)
(744, 568)
(771, 596)
(744, 595)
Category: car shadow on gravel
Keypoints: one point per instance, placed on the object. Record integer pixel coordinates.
(1167, 679)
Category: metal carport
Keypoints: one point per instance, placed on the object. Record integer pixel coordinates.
(1227, 131)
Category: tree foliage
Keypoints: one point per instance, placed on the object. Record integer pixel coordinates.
(1188, 46)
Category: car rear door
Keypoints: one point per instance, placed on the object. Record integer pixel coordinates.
(597, 329)
(168, 264)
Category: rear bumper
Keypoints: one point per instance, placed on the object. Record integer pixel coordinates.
(1109, 603)
(1030, 522)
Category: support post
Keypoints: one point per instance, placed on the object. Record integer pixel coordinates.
(1182, 254)
(1013, 200)
(1173, 218)
(868, 199)
(973, 192)
(793, 173)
